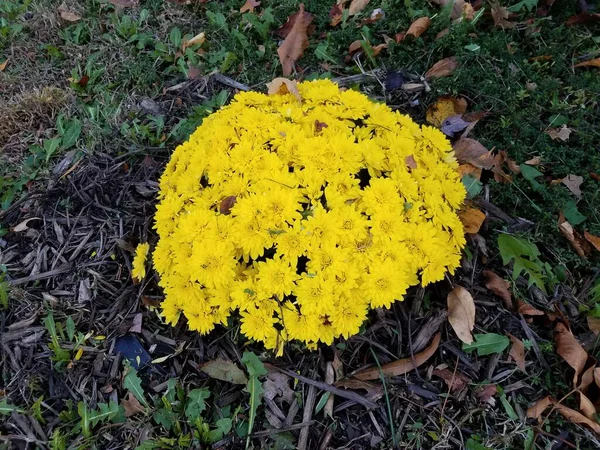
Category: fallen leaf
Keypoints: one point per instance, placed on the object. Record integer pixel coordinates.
(587, 378)
(336, 13)
(580, 245)
(511, 163)
(296, 41)
(527, 310)
(573, 182)
(124, 3)
(587, 407)
(444, 107)
(282, 86)
(277, 386)
(132, 405)
(471, 218)
(3, 65)
(472, 117)
(485, 393)
(226, 204)
(410, 161)
(442, 68)
(284, 30)
(590, 63)
(597, 376)
(584, 18)
(136, 323)
(561, 133)
(517, 352)
(536, 410)
(457, 7)
(535, 161)
(498, 286)
(456, 382)
(442, 33)
(470, 151)
(418, 27)
(577, 417)
(357, 384)
(249, 6)
(461, 313)
(224, 370)
(401, 366)
(23, 226)
(569, 349)
(198, 39)
(467, 12)
(594, 240)
(469, 169)
(453, 124)
(68, 15)
(376, 16)
(357, 6)
(594, 324)
(500, 15)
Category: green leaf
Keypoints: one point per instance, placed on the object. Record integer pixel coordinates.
(525, 256)
(165, 418)
(175, 37)
(472, 47)
(6, 408)
(472, 185)
(70, 328)
(71, 134)
(84, 413)
(224, 426)
(254, 365)
(530, 5)
(488, 343)
(322, 52)
(572, 214)
(195, 403)
(322, 402)
(558, 120)
(510, 411)
(530, 173)
(105, 412)
(472, 444)
(255, 389)
(133, 383)
(50, 147)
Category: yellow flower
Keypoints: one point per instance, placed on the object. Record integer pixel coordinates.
(138, 271)
(300, 216)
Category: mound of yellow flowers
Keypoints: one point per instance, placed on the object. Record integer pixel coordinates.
(303, 215)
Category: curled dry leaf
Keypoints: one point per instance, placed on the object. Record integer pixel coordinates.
(418, 27)
(535, 161)
(23, 226)
(277, 386)
(573, 182)
(580, 245)
(594, 240)
(461, 313)
(445, 107)
(249, 6)
(282, 86)
(470, 151)
(569, 349)
(576, 417)
(67, 15)
(594, 324)
(357, 6)
(442, 68)
(456, 381)
(590, 63)
(469, 169)
(198, 39)
(517, 352)
(336, 13)
(536, 410)
(561, 134)
(498, 286)
(401, 366)
(500, 15)
(485, 393)
(471, 218)
(527, 310)
(587, 407)
(3, 65)
(295, 42)
(131, 405)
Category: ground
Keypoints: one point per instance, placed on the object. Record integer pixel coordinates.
(95, 97)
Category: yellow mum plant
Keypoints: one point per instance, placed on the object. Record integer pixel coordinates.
(304, 214)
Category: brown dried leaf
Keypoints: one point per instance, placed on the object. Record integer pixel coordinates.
(470, 151)
(500, 15)
(485, 393)
(594, 240)
(517, 352)
(401, 366)
(561, 133)
(224, 370)
(594, 324)
(527, 310)
(471, 218)
(585, 18)
(445, 106)
(68, 15)
(335, 14)
(23, 226)
(573, 182)
(536, 410)
(249, 6)
(586, 406)
(296, 42)
(457, 7)
(3, 65)
(357, 6)
(498, 286)
(418, 27)
(461, 313)
(198, 39)
(442, 68)
(226, 204)
(580, 245)
(131, 405)
(456, 382)
(535, 161)
(410, 161)
(590, 63)
(282, 86)
(570, 349)
(576, 417)
(277, 386)
(469, 169)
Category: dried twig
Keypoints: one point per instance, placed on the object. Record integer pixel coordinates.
(306, 416)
